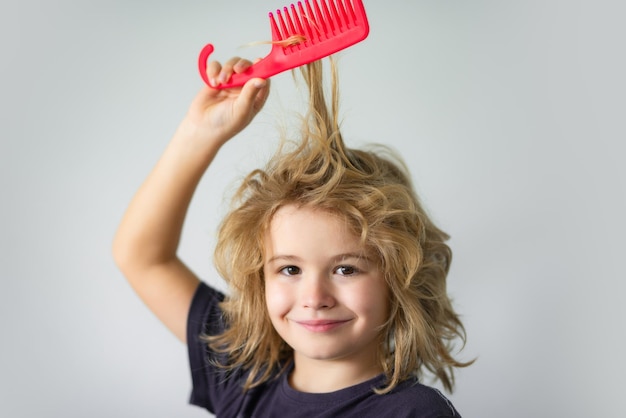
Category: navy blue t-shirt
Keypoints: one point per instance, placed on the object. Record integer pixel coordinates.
(221, 393)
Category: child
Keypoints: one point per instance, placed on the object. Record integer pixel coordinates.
(337, 297)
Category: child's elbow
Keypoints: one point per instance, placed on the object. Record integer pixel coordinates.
(122, 253)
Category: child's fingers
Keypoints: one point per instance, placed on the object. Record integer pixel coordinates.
(219, 73)
(264, 92)
(253, 95)
(213, 70)
(228, 69)
(241, 66)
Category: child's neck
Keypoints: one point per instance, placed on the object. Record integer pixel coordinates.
(323, 376)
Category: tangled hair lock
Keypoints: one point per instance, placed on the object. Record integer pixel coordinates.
(372, 191)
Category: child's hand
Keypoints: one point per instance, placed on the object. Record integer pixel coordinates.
(219, 114)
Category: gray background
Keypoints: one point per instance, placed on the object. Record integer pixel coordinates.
(510, 115)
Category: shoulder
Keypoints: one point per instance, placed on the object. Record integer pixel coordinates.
(204, 313)
(209, 383)
(413, 399)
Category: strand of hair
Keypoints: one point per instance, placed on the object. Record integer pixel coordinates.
(344, 15)
(313, 25)
(299, 29)
(291, 28)
(319, 18)
(312, 21)
(328, 18)
(336, 18)
(284, 31)
(291, 33)
(303, 18)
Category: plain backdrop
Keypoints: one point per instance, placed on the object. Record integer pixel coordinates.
(510, 115)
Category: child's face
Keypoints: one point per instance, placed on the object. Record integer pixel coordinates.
(325, 295)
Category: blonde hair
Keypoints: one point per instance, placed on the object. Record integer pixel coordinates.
(372, 191)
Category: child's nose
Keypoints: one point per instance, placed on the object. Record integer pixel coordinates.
(316, 293)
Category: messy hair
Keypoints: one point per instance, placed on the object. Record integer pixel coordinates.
(372, 191)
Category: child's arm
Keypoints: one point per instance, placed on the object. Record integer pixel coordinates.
(146, 242)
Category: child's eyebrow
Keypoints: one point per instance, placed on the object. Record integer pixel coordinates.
(284, 258)
(337, 258)
(347, 256)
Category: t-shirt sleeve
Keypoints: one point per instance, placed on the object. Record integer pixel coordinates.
(205, 318)
(215, 388)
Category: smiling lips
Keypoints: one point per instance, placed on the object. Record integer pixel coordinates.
(321, 325)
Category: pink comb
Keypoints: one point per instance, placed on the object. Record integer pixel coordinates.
(317, 30)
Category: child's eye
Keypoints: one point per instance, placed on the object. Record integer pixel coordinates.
(346, 270)
(290, 270)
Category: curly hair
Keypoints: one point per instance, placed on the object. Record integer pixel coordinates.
(372, 191)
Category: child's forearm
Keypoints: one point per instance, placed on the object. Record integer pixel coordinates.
(150, 230)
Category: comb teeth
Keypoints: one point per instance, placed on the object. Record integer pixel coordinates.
(312, 22)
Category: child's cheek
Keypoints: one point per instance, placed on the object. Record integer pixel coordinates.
(278, 298)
